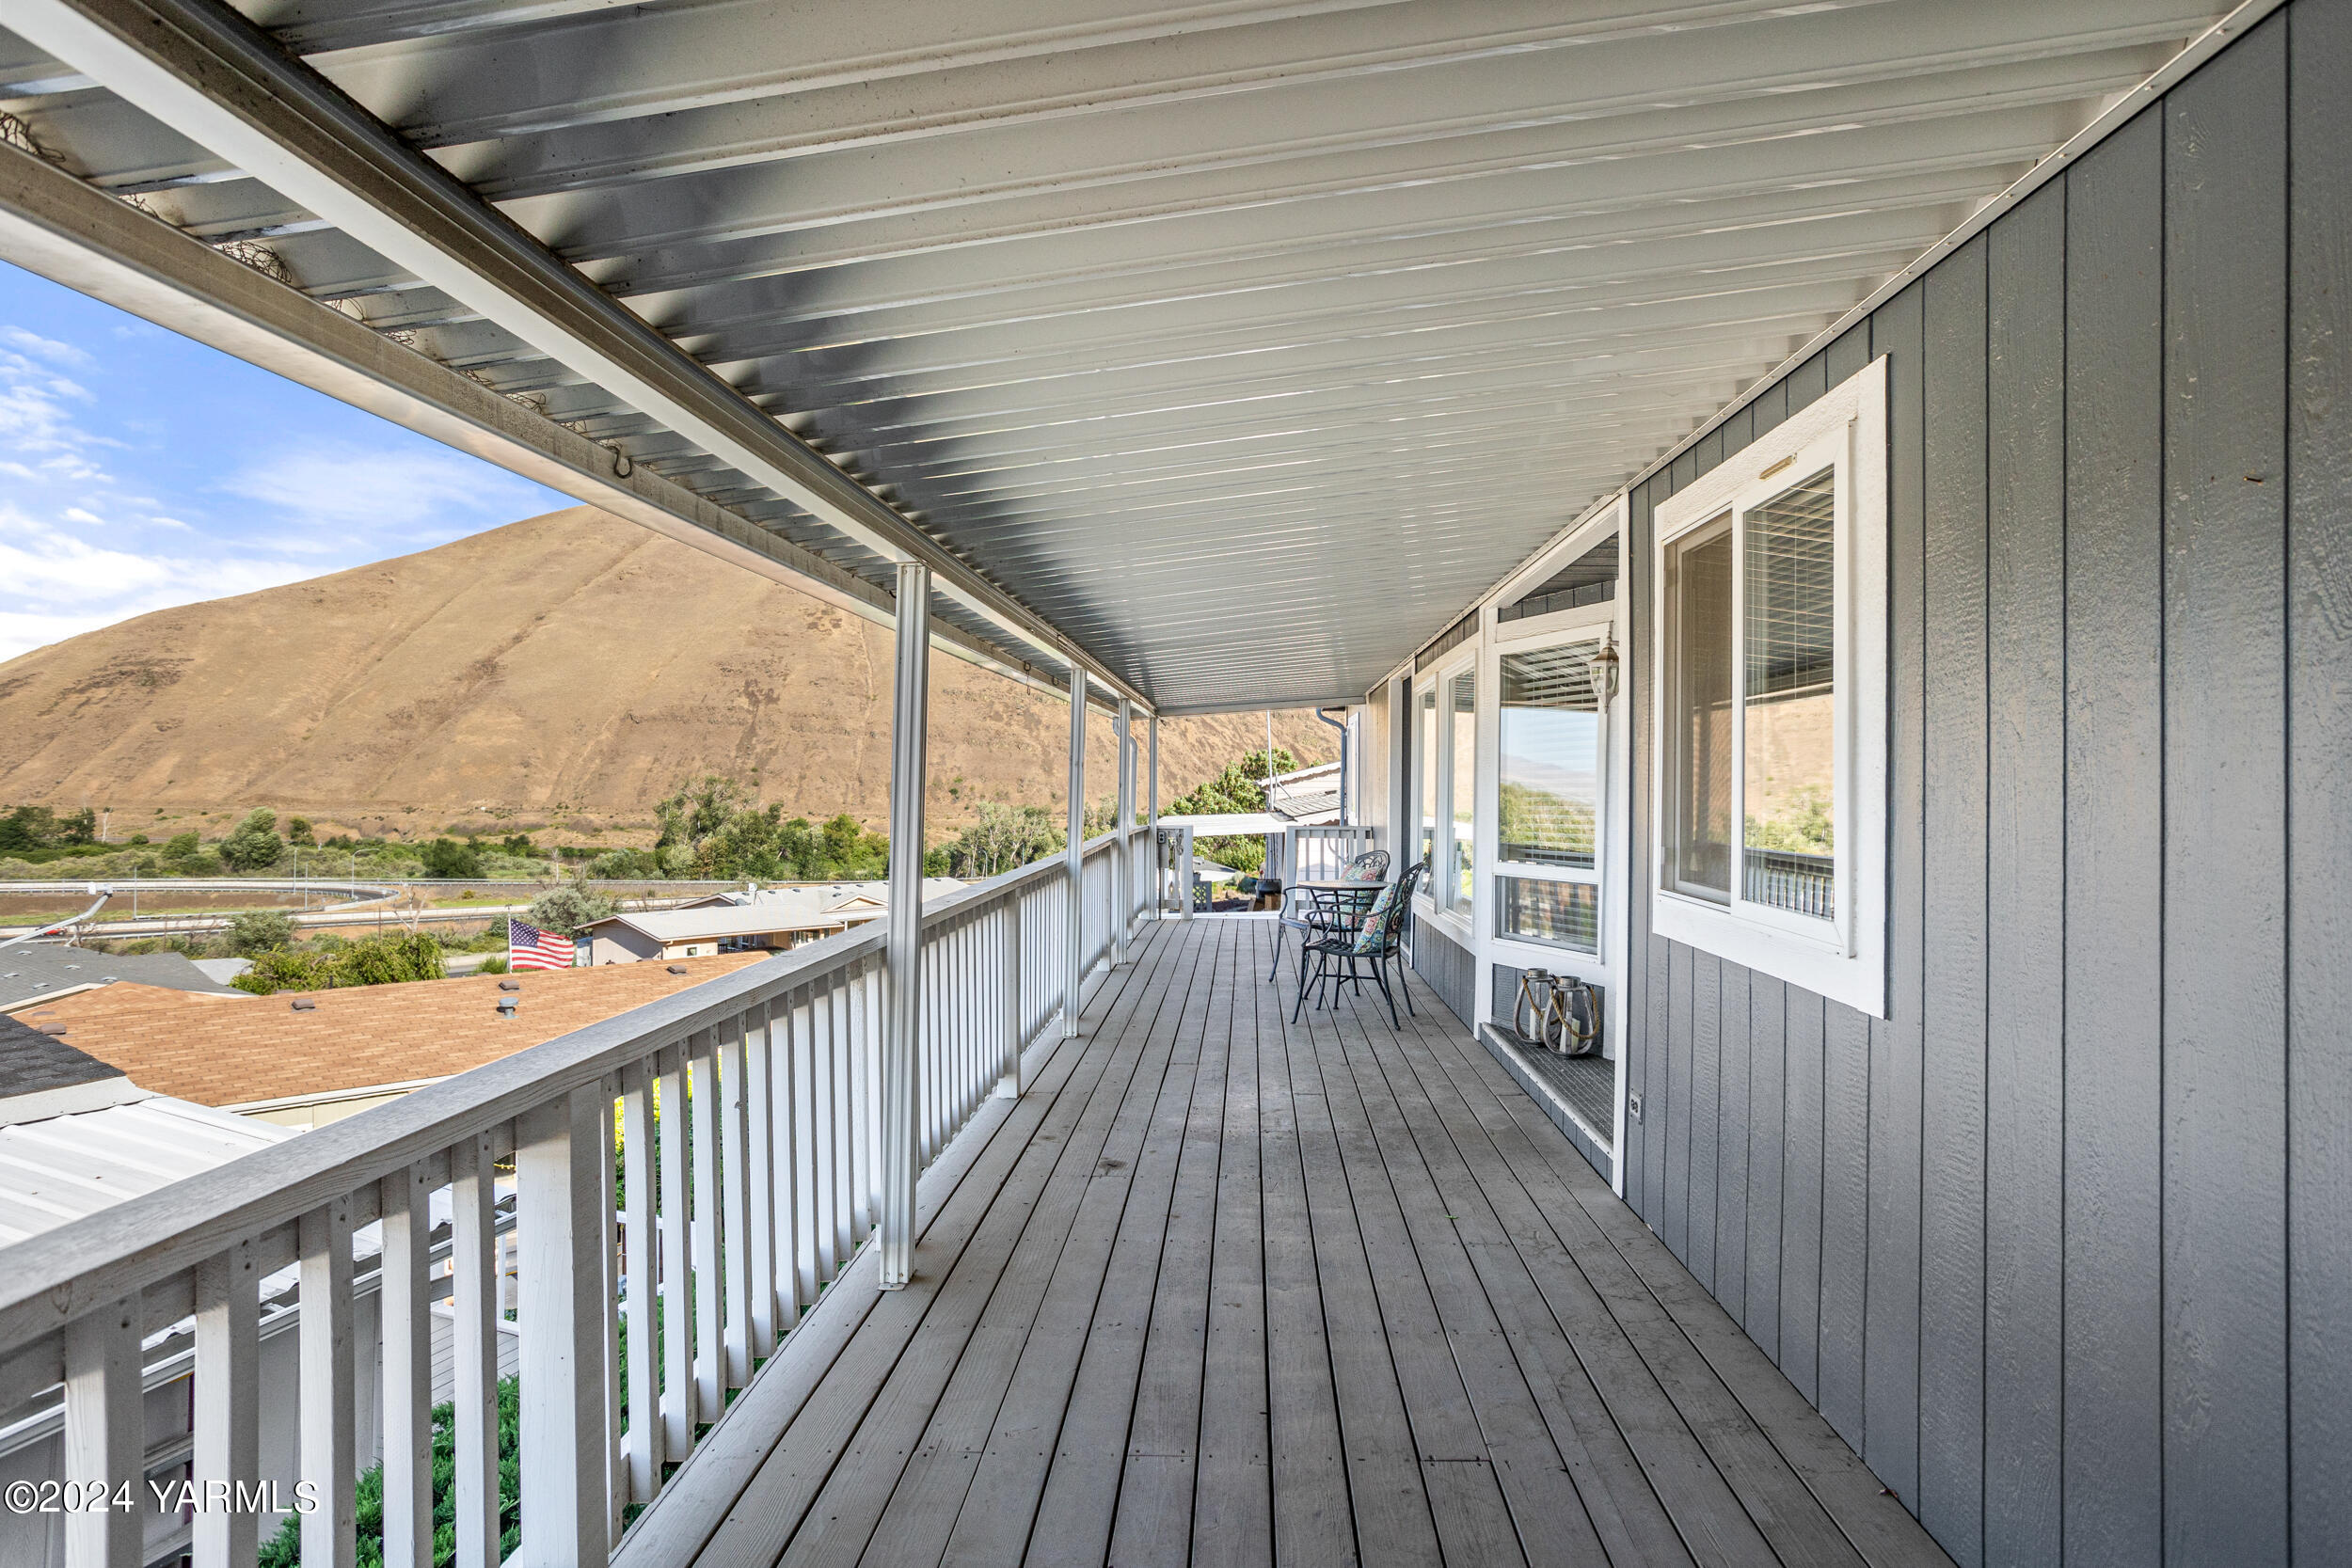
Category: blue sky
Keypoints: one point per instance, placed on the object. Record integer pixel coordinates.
(140, 470)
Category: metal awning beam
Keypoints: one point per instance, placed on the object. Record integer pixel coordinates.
(58, 227)
(208, 74)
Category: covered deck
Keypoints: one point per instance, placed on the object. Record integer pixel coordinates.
(1220, 1287)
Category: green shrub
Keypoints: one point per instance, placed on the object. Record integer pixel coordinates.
(286, 968)
(256, 931)
(284, 1549)
(495, 964)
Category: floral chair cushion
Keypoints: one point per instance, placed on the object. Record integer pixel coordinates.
(1372, 935)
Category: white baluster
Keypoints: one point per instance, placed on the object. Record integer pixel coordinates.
(759, 1175)
(1008, 1011)
(678, 1284)
(642, 1435)
(609, 1304)
(562, 1239)
(407, 1323)
(105, 1437)
(226, 1421)
(329, 1532)
(734, 1193)
(702, 1225)
(473, 1196)
(807, 1203)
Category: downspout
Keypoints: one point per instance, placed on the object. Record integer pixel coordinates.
(68, 921)
(1341, 725)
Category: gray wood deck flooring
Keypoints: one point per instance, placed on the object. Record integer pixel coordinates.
(1223, 1289)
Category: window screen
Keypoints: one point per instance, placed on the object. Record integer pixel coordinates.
(1698, 640)
(1548, 784)
(1788, 704)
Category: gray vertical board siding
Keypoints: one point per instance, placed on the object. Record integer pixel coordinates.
(1738, 430)
(1848, 354)
(1891, 1333)
(1800, 1197)
(2319, 783)
(1711, 451)
(2114, 1321)
(1731, 1156)
(1676, 1228)
(1706, 1097)
(2025, 875)
(1845, 1214)
(2082, 1188)
(1951, 1286)
(1768, 1104)
(1449, 968)
(1808, 381)
(2225, 795)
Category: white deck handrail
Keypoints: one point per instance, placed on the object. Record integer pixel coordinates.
(771, 1073)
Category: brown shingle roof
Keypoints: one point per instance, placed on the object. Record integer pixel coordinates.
(238, 1050)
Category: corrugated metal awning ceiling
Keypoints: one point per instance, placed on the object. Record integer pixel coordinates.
(1246, 342)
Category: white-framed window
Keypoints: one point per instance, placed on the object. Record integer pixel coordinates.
(1456, 871)
(1551, 751)
(1425, 771)
(1770, 578)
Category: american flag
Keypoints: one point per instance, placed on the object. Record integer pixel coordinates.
(529, 947)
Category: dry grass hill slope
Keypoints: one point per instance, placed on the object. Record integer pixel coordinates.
(566, 670)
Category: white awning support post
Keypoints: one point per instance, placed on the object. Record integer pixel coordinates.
(1151, 812)
(902, 1022)
(1122, 855)
(1074, 853)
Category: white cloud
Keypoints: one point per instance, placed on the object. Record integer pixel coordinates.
(45, 348)
(339, 494)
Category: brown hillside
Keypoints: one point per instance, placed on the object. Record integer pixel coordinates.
(570, 669)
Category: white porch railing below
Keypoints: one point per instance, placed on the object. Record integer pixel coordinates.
(739, 1118)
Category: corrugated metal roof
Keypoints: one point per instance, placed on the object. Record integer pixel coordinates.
(63, 1167)
(781, 908)
(1247, 340)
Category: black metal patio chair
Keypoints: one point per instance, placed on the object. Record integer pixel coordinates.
(1376, 938)
(1311, 909)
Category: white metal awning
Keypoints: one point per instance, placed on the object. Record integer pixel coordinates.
(1228, 347)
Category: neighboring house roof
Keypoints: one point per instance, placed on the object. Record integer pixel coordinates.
(814, 907)
(62, 1167)
(31, 970)
(242, 1051)
(1309, 795)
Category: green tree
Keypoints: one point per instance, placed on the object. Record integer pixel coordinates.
(256, 931)
(1239, 789)
(1003, 838)
(28, 827)
(81, 827)
(567, 909)
(447, 857)
(298, 830)
(255, 845)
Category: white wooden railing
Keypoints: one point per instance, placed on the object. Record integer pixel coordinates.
(770, 1074)
(1319, 853)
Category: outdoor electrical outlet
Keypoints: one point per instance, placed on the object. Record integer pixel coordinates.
(1633, 1106)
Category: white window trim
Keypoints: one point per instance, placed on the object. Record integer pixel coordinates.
(1844, 960)
(1459, 921)
(1586, 623)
